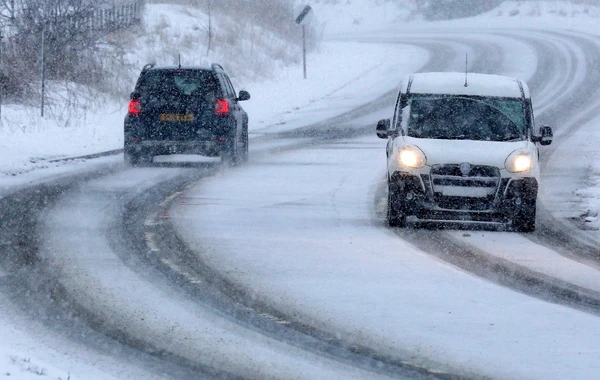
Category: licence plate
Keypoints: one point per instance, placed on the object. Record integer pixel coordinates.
(459, 191)
(176, 117)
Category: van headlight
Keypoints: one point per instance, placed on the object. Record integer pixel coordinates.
(519, 161)
(411, 157)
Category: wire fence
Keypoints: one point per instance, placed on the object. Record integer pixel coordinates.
(120, 16)
(100, 16)
(58, 41)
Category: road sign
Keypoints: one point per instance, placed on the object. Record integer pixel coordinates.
(304, 16)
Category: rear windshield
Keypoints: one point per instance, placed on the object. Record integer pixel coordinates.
(178, 83)
(467, 118)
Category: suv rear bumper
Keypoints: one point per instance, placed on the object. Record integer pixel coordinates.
(157, 148)
(417, 198)
(142, 138)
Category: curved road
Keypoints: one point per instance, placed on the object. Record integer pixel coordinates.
(101, 257)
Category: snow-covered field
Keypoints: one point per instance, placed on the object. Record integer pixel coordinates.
(341, 75)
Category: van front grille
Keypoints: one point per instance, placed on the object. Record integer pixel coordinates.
(464, 186)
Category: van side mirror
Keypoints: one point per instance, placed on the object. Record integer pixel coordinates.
(545, 137)
(383, 126)
(134, 95)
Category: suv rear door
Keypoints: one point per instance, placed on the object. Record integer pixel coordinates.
(235, 108)
(177, 103)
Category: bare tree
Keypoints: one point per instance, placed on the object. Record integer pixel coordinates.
(7, 11)
(72, 31)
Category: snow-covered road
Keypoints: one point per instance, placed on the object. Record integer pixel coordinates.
(313, 284)
(300, 231)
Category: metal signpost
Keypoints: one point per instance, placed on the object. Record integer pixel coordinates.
(303, 19)
(43, 68)
(1, 74)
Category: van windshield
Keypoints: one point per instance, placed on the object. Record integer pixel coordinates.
(467, 118)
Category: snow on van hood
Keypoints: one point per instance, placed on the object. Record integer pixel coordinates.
(490, 153)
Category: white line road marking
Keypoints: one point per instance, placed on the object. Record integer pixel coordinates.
(172, 265)
(170, 198)
(151, 220)
(275, 319)
(150, 242)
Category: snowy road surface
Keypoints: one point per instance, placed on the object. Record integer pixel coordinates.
(283, 268)
(299, 231)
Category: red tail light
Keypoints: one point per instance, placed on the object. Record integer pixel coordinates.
(135, 107)
(222, 107)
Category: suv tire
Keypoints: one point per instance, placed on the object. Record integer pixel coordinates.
(231, 154)
(132, 159)
(245, 145)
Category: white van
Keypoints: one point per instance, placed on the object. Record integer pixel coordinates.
(463, 148)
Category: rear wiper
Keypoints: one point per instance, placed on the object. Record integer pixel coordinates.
(512, 138)
(460, 137)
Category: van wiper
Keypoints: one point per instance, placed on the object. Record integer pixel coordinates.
(447, 137)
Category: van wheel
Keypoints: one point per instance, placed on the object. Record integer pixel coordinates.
(396, 217)
(524, 220)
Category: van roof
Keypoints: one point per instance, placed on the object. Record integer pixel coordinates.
(454, 84)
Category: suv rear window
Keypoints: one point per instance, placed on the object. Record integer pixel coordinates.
(178, 83)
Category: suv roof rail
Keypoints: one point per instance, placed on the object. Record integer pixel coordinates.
(148, 66)
(216, 66)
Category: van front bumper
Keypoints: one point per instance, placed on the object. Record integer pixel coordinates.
(465, 200)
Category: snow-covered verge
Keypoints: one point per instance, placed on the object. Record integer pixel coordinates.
(575, 169)
(528, 9)
(177, 32)
(345, 16)
(340, 17)
(30, 142)
(535, 14)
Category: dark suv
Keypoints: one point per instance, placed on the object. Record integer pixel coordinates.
(185, 110)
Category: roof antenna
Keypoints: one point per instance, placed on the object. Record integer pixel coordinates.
(467, 70)
(180, 60)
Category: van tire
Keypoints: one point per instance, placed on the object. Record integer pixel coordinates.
(524, 220)
(396, 217)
